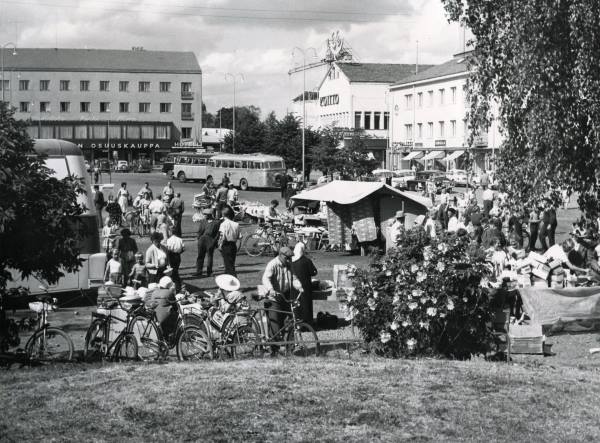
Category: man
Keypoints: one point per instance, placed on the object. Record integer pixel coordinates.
(232, 195)
(99, 203)
(221, 198)
(283, 181)
(562, 253)
(476, 221)
(175, 248)
(397, 228)
(488, 200)
(548, 215)
(485, 179)
(177, 209)
(157, 208)
(492, 233)
(229, 233)
(146, 189)
(168, 192)
(209, 188)
(96, 172)
(208, 233)
(164, 299)
(272, 214)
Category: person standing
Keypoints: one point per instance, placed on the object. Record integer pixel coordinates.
(232, 195)
(114, 211)
(304, 269)
(221, 198)
(177, 209)
(97, 173)
(146, 190)
(283, 181)
(156, 258)
(544, 227)
(209, 188)
(552, 222)
(123, 197)
(534, 222)
(156, 209)
(175, 248)
(99, 203)
(127, 248)
(485, 180)
(208, 232)
(397, 228)
(488, 200)
(168, 192)
(229, 233)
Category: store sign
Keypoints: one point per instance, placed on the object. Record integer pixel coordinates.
(419, 145)
(120, 145)
(440, 143)
(329, 100)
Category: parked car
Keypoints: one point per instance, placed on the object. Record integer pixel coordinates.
(458, 177)
(104, 166)
(400, 178)
(143, 165)
(421, 178)
(122, 166)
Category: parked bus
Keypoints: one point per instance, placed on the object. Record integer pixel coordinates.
(248, 170)
(191, 165)
(66, 160)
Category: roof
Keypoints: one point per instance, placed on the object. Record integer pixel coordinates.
(308, 95)
(253, 156)
(454, 66)
(51, 146)
(100, 60)
(348, 192)
(378, 72)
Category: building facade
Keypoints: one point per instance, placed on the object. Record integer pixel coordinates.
(116, 104)
(429, 121)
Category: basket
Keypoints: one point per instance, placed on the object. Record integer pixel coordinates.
(38, 306)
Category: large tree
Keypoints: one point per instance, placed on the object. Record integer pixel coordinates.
(539, 60)
(249, 131)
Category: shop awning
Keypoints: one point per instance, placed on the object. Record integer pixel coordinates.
(454, 156)
(434, 155)
(413, 155)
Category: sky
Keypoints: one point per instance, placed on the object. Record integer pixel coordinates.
(252, 38)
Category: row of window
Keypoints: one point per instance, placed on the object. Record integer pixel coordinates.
(104, 107)
(100, 132)
(441, 132)
(233, 164)
(408, 98)
(371, 120)
(103, 85)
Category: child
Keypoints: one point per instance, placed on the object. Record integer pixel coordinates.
(109, 233)
(114, 269)
(139, 272)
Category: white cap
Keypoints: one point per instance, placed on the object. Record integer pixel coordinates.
(165, 282)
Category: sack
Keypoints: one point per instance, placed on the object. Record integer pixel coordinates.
(327, 321)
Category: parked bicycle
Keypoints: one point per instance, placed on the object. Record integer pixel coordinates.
(266, 240)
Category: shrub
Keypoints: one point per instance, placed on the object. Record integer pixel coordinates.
(424, 298)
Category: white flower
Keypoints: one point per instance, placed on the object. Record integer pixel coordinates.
(443, 248)
(371, 303)
(411, 343)
(442, 315)
(398, 278)
(431, 312)
(424, 300)
(450, 306)
(424, 324)
(375, 294)
(394, 325)
(441, 266)
(385, 336)
(412, 306)
(388, 272)
(414, 268)
(406, 323)
(421, 276)
(416, 293)
(465, 299)
(396, 300)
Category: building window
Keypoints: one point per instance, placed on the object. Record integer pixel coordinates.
(44, 106)
(430, 129)
(44, 85)
(24, 107)
(163, 132)
(420, 99)
(64, 85)
(81, 131)
(186, 87)
(23, 85)
(65, 106)
(65, 132)
(99, 131)
(408, 131)
(147, 132)
(186, 132)
(165, 87)
(377, 120)
(442, 93)
(408, 101)
(441, 127)
(47, 132)
(104, 85)
(144, 107)
(84, 85)
(453, 127)
(357, 116)
(84, 106)
(165, 107)
(104, 106)
(123, 86)
(4, 85)
(144, 86)
(430, 101)
(123, 107)
(453, 93)
(186, 108)
(133, 132)
(367, 120)
(419, 130)
(386, 120)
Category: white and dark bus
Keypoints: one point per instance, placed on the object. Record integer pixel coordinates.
(247, 170)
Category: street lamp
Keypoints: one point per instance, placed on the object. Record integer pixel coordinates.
(303, 52)
(2, 62)
(233, 77)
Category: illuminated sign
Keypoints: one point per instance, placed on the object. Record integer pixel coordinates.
(329, 100)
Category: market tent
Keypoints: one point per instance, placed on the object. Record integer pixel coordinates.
(413, 155)
(433, 155)
(454, 156)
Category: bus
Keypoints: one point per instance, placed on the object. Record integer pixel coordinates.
(66, 160)
(191, 165)
(248, 170)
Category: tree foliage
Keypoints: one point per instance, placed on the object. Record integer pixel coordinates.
(538, 60)
(39, 229)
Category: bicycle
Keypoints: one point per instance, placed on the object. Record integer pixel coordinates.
(47, 343)
(266, 239)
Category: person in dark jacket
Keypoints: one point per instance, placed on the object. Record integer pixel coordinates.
(163, 298)
(208, 233)
(99, 203)
(177, 208)
(303, 268)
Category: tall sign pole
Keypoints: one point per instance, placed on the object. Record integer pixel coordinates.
(233, 78)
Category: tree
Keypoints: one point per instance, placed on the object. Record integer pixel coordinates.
(538, 60)
(208, 119)
(249, 131)
(323, 155)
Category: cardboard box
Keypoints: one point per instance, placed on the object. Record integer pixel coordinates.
(542, 267)
(557, 278)
(555, 264)
(526, 339)
(539, 258)
(541, 274)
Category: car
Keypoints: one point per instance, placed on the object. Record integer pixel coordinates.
(458, 177)
(104, 166)
(122, 166)
(143, 165)
(422, 177)
(400, 178)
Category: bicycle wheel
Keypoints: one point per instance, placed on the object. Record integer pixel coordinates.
(254, 245)
(245, 341)
(126, 348)
(148, 337)
(50, 344)
(194, 344)
(304, 338)
(94, 340)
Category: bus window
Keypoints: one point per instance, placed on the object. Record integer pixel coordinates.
(275, 165)
(201, 161)
(195, 161)
(230, 164)
(244, 164)
(183, 160)
(258, 165)
(217, 163)
(211, 163)
(237, 164)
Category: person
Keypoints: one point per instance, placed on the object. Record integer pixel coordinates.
(168, 192)
(453, 223)
(488, 200)
(156, 258)
(163, 300)
(156, 208)
(561, 253)
(397, 228)
(146, 190)
(283, 182)
(127, 248)
(515, 225)
(232, 195)
(144, 207)
(97, 173)
(431, 190)
(114, 269)
(99, 203)
(209, 188)
(552, 222)
(534, 222)
(208, 232)
(109, 233)
(430, 223)
(175, 248)
(477, 223)
(177, 208)
(272, 214)
(304, 269)
(221, 198)
(229, 233)
(139, 272)
(123, 197)
(114, 211)
(484, 180)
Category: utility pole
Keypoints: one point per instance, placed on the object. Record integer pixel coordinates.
(233, 77)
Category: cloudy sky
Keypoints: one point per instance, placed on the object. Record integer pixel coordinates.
(252, 37)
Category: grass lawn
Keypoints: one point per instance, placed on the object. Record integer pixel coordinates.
(325, 399)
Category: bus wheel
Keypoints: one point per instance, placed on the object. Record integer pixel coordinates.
(181, 177)
(244, 184)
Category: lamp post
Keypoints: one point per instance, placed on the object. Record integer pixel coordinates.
(233, 77)
(6, 45)
(303, 52)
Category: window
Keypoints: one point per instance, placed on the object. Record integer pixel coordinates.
(453, 127)
(64, 85)
(44, 85)
(186, 87)
(419, 130)
(65, 106)
(163, 132)
(453, 93)
(386, 120)
(24, 107)
(357, 117)
(420, 99)
(186, 108)
(186, 132)
(4, 85)
(23, 85)
(430, 95)
(144, 86)
(144, 107)
(237, 164)
(114, 131)
(133, 132)
(104, 106)
(408, 131)
(441, 127)
(84, 85)
(367, 120)
(376, 120)
(442, 93)
(147, 132)
(44, 106)
(99, 131)
(408, 101)
(165, 87)
(104, 85)
(84, 106)
(123, 86)
(430, 129)
(81, 131)
(47, 132)
(245, 164)
(65, 132)
(124, 107)
(165, 107)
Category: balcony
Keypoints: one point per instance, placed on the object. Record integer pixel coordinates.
(187, 95)
(187, 116)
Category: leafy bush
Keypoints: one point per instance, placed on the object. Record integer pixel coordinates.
(424, 298)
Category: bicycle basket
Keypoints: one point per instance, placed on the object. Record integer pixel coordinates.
(108, 303)
(38, 306)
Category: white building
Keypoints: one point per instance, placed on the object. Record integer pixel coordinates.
(429, 120)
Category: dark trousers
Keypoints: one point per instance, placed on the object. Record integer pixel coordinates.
(306, 307)
(177, 225)
(229, 251)
(276, 319)
(543, 233)
(533, 235)
(99, 215)
(487, 206)
(206, 249)
(550, 233)
(175, 263)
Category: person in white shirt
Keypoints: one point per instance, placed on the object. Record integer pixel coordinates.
(229, 233)
(175, 248)
(156, 208)
(232, 195)
(156, 258)
(397, 228)
(453, 223)
(561, 253)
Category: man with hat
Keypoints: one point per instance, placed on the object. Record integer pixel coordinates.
(163, 298)
(208, 232)
(397, 228)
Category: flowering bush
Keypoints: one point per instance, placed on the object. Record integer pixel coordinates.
(424, 298)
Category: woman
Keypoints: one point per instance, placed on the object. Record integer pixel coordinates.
(127, 248)
(114, 211)
(123, 197)
(156, 258)
(303, 268)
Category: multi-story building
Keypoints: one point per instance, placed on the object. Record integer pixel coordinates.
(429, 120)
(115, 104)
